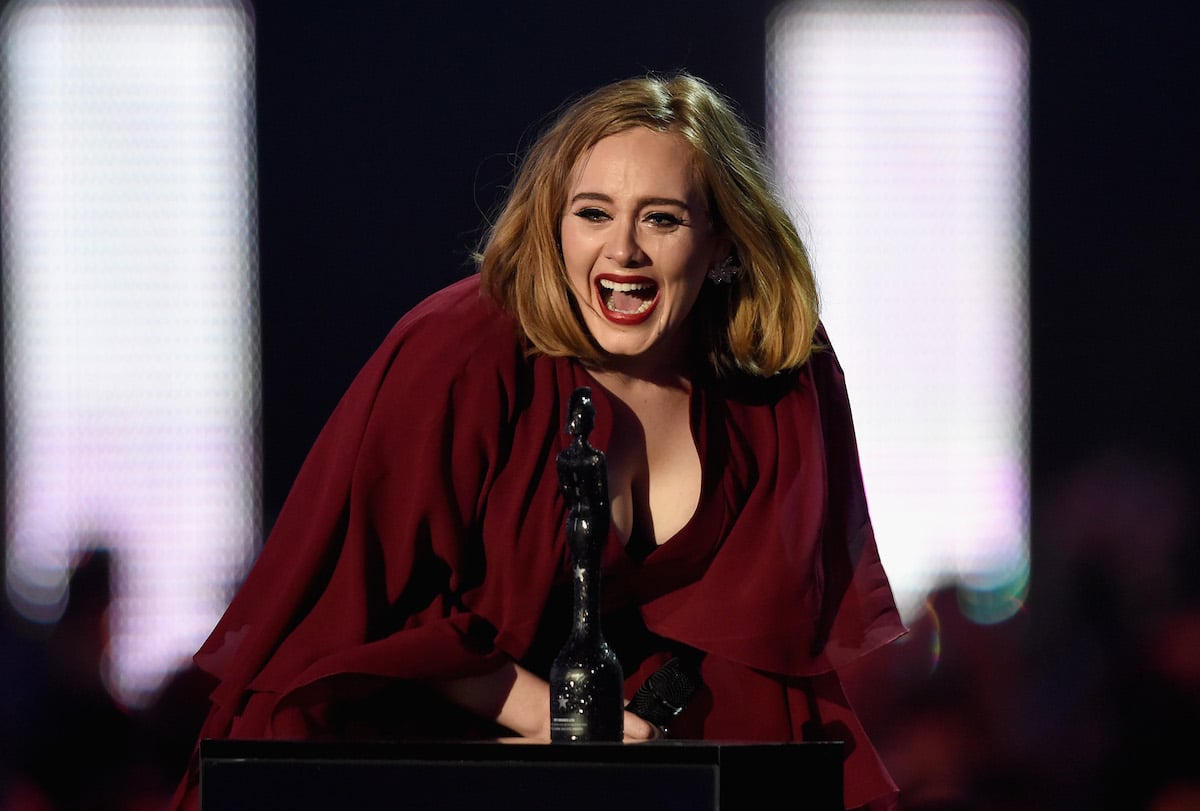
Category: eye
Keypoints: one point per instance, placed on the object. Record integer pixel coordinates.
(663, 219)
(592, 214)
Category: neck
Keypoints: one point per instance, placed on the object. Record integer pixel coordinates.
(667, 367)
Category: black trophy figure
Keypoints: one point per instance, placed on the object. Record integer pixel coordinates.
(586, 682)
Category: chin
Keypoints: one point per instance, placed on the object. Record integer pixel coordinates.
(621, 351)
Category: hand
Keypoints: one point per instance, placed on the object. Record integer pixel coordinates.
(510, 695)
(639, 730)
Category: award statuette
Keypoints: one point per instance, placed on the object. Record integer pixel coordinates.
(586, 682)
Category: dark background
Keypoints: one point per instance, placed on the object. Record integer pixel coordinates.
(386, 129)
(385, 133)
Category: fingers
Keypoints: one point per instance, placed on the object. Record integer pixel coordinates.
(639, 729)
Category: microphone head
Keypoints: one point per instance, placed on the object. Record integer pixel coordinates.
(666, 692)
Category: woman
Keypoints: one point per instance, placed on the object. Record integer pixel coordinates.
(417, 581)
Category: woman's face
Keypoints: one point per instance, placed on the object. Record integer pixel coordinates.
(638, 240)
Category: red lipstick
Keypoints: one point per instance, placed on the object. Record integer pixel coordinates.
(626, 300)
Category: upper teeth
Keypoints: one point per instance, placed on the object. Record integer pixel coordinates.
(624, 287)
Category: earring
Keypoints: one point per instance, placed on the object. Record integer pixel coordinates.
(725, 272)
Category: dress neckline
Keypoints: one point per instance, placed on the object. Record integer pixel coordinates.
(693, 543)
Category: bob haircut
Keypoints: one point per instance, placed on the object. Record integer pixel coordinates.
(761, 324)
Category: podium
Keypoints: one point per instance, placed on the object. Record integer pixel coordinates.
(242, 775)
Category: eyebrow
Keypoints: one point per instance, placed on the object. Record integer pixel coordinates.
(647, 201)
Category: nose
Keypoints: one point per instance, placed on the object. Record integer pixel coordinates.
(623, 247)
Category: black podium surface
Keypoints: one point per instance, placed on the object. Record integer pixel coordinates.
(501, 776)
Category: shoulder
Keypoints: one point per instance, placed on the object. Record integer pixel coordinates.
(806, 406)
(822, 370)
(455, 328)
(459, 315)
(455, 345)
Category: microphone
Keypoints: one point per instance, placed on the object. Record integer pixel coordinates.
(665, 693)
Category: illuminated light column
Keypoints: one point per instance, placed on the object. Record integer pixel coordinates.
(131, 320)
(900, 134)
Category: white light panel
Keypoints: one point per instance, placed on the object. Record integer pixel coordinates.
(899, 130)
(130, 288)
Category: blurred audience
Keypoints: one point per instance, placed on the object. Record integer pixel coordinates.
(1088, 697)
(65, 743)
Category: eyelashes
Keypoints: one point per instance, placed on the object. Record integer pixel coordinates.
(592, 214)
(665, 220)
(657, 219)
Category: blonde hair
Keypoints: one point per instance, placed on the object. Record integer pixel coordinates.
(760, 324)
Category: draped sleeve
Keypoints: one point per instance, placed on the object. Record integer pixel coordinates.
(375, 566)
(798, 556)
(792, 588)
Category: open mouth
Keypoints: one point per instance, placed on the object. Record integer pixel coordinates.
(627, 300)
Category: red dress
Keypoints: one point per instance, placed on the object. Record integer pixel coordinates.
(424, 538)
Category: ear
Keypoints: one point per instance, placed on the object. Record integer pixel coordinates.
(723, 248)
